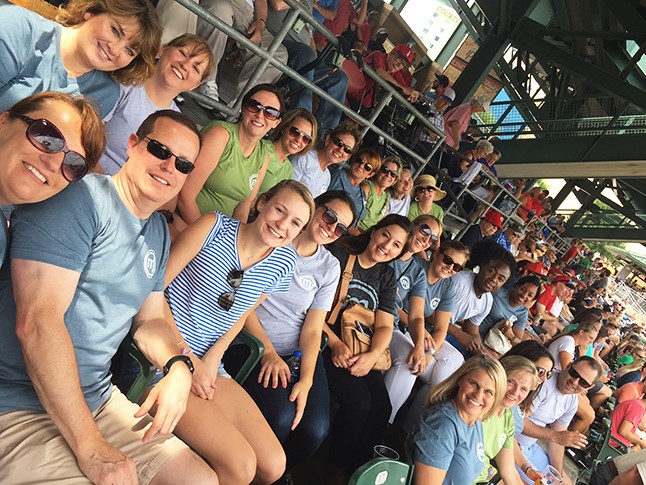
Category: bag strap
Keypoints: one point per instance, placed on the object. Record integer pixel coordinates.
(342, 290)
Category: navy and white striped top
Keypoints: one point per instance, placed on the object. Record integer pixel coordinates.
(193, 294)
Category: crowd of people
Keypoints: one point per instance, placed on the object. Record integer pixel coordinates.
(283, 224)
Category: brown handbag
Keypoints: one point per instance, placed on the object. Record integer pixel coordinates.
(357, 322)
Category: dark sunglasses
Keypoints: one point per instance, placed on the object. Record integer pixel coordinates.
(330, 217)
(542, 372)
(296, 133)
(44, 135)
(339, 143)
(366, 165)
(156, 149)
(448, 261)
(575, 375)
(426, 189)
(234, 279)
(253, 106)
(387, 171)
(425, 229)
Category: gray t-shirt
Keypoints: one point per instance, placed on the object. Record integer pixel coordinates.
(467, 305)
(312, 288)
(411, 281)
(308, 171)
(4, 238)
(439, 297)
(339, 181)
(502, 310)
(120, 259)
(133, 107)
(276, 19)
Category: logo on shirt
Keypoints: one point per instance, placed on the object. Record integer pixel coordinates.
(308, 282)
(252, 181)
(434, 303)
(501, 440)
(150, 263)
(513, 319)
(480, 452)
(405, 282)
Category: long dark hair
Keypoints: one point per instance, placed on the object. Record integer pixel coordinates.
(358, 244)
(331, 195)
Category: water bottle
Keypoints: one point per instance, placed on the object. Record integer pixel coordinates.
(294, 364)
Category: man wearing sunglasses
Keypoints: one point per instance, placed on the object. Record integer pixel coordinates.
(87, 268)
(553, 408)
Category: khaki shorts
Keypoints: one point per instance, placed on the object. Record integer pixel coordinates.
(33, 451)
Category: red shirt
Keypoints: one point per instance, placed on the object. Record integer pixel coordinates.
(632, 390)
(547, 298)
(570, 254)
(345, 14)
(631, 411)
(375, 60)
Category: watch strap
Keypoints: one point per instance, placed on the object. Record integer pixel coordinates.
(179, 358)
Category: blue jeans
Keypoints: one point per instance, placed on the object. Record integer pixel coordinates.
(334, 82)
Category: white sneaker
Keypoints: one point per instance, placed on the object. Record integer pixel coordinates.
(209, 89)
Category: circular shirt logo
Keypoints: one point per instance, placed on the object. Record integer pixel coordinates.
(308, 282)
(150, 263)
(434, 303)
(405, 282)
(513, 319)
(480, 452)
(502, 439)
(252, 181)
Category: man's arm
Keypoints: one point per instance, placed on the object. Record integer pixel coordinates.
(257, 27)
(43, 293)
(327, 13)
(555, 433)
(556, 451)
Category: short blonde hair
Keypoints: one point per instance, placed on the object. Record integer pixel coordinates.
(518, 364)
(199, 47)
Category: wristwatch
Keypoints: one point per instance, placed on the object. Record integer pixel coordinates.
(179, 358)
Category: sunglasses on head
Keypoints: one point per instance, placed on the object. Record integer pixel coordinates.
(254, 106)
(575, 375)
(44, 135)
(542, 372)
(330, 217)
(426, 189)
(366, 165)
(162, 152)
(234, 279)
(448, 261)
(387, 171)
(339, 143)
(298, 134)
(425, 229)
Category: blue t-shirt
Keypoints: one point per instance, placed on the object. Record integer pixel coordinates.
(411, 281)
(193, 294)
(502, 310)
(439, 297)
(120, 259)
(444, 441)
(31, 62)
(519, 420)
(329, 4)
(502, 239)
(339, 181)
(4, 238)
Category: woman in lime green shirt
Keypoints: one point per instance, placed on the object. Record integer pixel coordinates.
(377, 199)
(425, 193)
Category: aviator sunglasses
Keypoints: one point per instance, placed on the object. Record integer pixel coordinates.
(254, 106)
(387, 171)
(44, 135)
(296, 133)
(448, 261)
(542, 372)
(425, 230)
(366, 165)
(330, 217)
(162, 152)
(234, 279)
(339, 143)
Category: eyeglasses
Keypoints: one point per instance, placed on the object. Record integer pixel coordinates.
(542, 372)
(253, 106)
(44, 135)
(296, 133)
(330, 217)
(425, 230)
(366, 165)
(158, 150)
(339, 143)
(448, 261)
(575, 375)
(426, 189)
(387, 171)
(234, 279)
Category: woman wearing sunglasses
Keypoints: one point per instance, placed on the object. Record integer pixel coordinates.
(294, 135)
(425, 193)
(409, 346)
(448, 441)
(375, 189)
(361, 420)
(90, 36)
(47, 141)
(399, 193)
(363, 165)
(312, 168)
(182, 65)
(298, 411)
(218, 272)
(233, 160)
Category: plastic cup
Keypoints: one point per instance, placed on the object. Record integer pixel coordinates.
(386, 452)
(551, 476)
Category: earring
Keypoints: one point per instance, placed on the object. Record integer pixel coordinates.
(416, 198)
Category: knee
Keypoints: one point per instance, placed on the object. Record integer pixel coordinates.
(241, 469)
(271, 466)
(586, 414)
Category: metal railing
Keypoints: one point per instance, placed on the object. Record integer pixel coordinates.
(635, 303)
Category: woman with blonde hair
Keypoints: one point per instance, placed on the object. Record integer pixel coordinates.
(92, 38)
(400, 194)
(448, 442)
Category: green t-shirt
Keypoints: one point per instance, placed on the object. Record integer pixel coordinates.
(234, 177)
(376, 206)
(415, 211)
(498, 432)
(276, 171)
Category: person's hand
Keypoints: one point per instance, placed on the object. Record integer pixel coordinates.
(255, 30)
(456, 145)
(467, 341)
(103, 464)
(363, 363)
(341, 354)
(431, 135)
(299, 394)
(413, 96)
(273, 369)
(417, 360)
(429, 342)
(573, 439)
(169, 397)
(203, 383)
(533, 474)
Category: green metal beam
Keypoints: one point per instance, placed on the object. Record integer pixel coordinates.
(562, 195)
(590, 34)
(608, 234)
(630, 18)
(629, 213)
(587, 201)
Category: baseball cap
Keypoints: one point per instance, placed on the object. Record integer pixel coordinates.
(494, 217)
(442, 80)
(565, 279)
(405, 52)
(448, 94)
(483, 101)
(538, 269)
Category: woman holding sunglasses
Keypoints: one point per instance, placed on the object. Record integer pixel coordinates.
(218, 272)
(375, 189)
(363, 165)
(294, 135)
(298, 411)
(91, 38)
(233, 160)
(361, 420)
(47, 141)
(425, 193)
(312, 168)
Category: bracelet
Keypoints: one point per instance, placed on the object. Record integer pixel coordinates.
(261, 20)
(526, 467)
(227, 340)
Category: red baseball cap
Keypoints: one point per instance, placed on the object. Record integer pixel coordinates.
(404, 51)
(563, 278)
(494, 217)
(539, 269)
